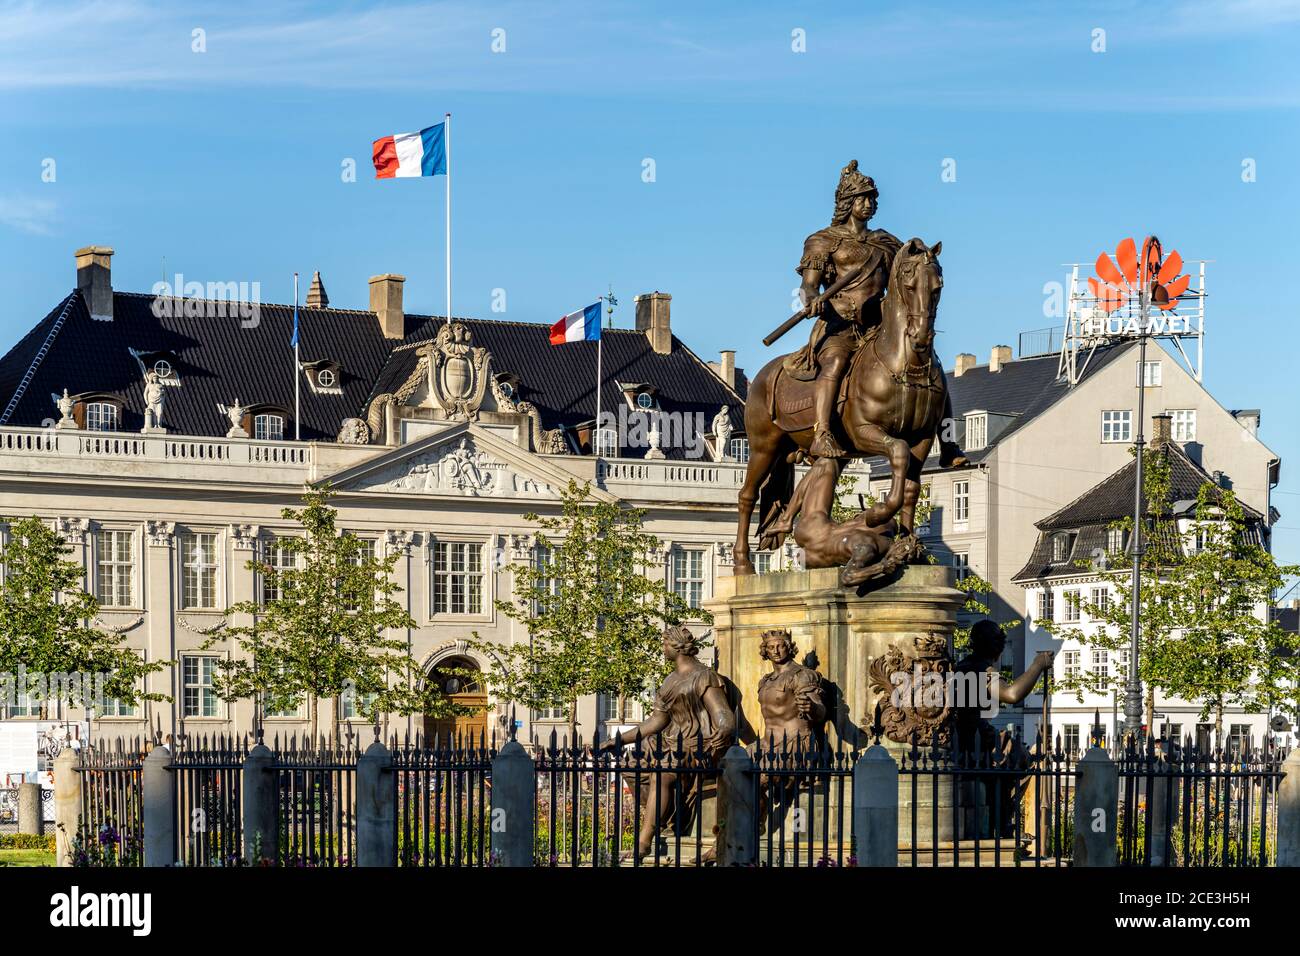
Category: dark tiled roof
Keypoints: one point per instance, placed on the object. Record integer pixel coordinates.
(219, 360)
(1091, 514)
(1287, 618)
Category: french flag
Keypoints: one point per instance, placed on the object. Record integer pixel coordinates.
(580, 326)
(412, 154)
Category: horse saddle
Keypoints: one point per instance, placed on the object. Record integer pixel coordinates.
(792, 397)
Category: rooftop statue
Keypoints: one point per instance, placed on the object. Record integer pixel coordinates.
(867, 383)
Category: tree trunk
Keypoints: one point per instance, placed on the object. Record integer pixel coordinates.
(573, 722)
(1151, 711)
(1218, 725)
(313, 709)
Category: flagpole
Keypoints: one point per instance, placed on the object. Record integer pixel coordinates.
(297, 378)
(600, 341)
(446, 145)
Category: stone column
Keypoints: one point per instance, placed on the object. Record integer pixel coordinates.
(159, 785)
(376, 808)
(514, 790)
(875, 808)
(1096, 810)
(1288, 812)
(261, 826)
(736, 809)
(67, 805)
(30, 818)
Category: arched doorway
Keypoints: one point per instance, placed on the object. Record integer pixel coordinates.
(457, 678)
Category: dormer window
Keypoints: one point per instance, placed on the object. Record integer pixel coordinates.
(977, 431)
(507, 389)
(645, 400)
(163, 369)
(162, 362)
(323, 375)
(606, 443)
(103, 417)
(268, 426)
(1062, 545)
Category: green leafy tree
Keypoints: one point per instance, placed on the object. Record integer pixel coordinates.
(594, 616)
(1202, 594)
(322, 631)
(47, 623)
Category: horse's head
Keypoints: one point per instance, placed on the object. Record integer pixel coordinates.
(917, 279)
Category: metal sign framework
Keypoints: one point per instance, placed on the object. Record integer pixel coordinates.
(1088, 326)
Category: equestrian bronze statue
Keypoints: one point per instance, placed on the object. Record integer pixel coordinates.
(866, 384)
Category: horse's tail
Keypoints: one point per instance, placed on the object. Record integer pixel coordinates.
(775, 494)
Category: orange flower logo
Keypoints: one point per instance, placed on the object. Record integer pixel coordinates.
(1120, 280)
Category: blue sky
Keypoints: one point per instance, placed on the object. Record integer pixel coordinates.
(227, 163)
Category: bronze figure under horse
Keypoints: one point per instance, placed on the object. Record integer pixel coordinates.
(891, 404)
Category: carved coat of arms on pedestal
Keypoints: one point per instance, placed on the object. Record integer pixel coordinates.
(924, 705)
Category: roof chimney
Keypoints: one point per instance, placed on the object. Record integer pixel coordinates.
(653, 317)
(1000, 356)
(316, 295)
(727, 368)
(95, 280)
(965, 362)
(1161, 430)
(386, 303)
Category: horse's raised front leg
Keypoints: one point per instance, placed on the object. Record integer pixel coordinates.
(875, 439)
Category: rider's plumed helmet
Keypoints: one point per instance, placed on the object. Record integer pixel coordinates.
(854, 183)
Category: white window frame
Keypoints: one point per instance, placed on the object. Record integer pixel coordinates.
(438, 589)
(118, 570)
(103, 417)
(215, 569)
(1100, 662)
(961, 504)
(372, 545)
(626, 710)
(1153, 374)
(691, 587)
(605, 443)
(961, 561)
(1070, 600)
(1046, 605)
(977, 431)
(1116, 540)
(1182, 428)
(119, 709)
(738, 450)
(1062, 546)
(272, 554)
(201, 687)
(764, 561)
(1101, 598)
(263, 430)
(1111, 421)
(1069, 663)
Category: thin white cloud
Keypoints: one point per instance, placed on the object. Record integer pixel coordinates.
(33, 216)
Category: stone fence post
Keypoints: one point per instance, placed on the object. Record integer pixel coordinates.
(875, 808)
(159, 785)
(514, 790)
(376, 808)
(1096, 810)
(736, 837)
(67, 805)
(261, 828)
(1288, 812)
(30, 817)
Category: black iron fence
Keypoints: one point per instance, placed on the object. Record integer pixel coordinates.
(655, 803)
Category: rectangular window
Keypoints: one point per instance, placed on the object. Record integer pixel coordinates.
(961, 561)
(618, 710)
(1174, 732)
(1239, 738)
(1070, 738)
(1183, 426)
(549, 713)
(1070, 664)
(977, 432)
(23, 706)
(1151, 374)
(199, 570)
(101, 417)
(738, 450)
(199, 697)
(1101, 600)
(1047, 605)
(364, 553)
(1100, 662)
(1117, 425)
(278, 556)
(355, 707)
(458, 577)
(113, 707)
(1116, 540)
(1070, 613)
(961, 501)
(268, 427)
(688, 575)
(114, 568)
(762, 562)
(923, 510)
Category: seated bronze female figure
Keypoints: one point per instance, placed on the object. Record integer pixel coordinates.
(690, 706)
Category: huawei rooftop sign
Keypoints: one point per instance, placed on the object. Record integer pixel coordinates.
(1120, 282)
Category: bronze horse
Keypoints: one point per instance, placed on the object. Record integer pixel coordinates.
(891, 404)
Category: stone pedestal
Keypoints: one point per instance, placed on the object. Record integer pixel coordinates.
(842, 632)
